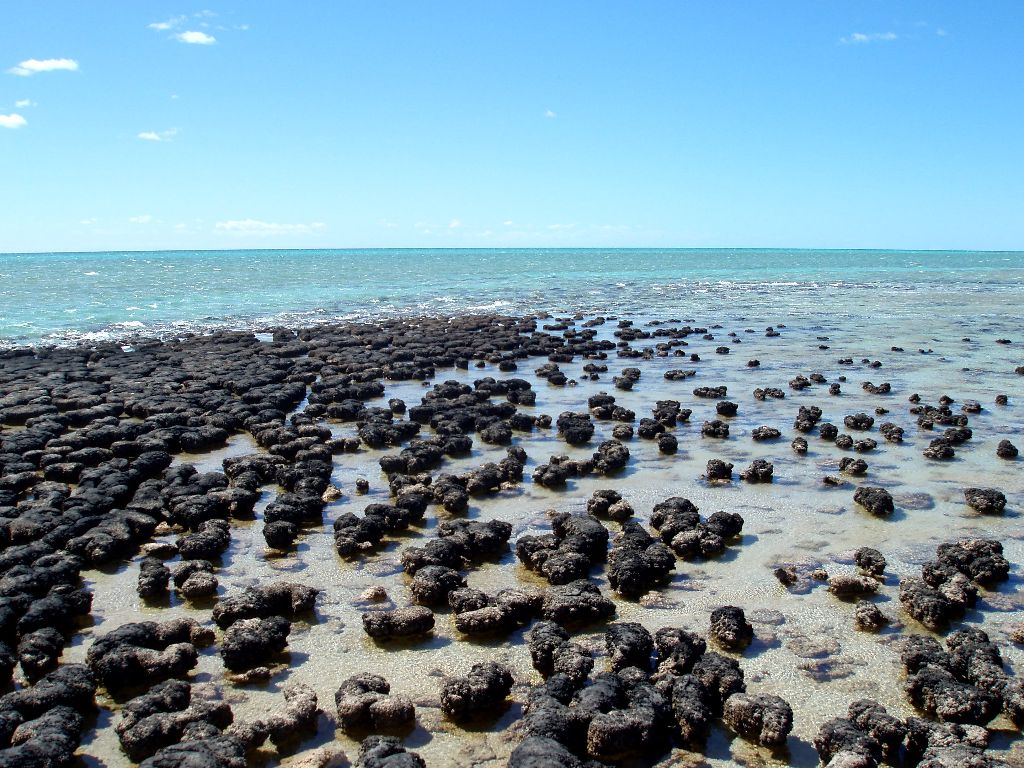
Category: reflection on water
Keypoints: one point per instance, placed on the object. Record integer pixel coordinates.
(806, 649)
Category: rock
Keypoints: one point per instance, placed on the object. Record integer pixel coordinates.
(715, 428)
(431, 584)
(401, 622)
(765, 433)
(386, 752)
(987, 501)
(363, 703)
(763, 718)
(553, 653)
(759, 471)
(153, 578)
(39, 651)
(867, 617)
(146, 652)
(629, 645)
(877, 501)
(209, 752)
(718, 470)
(849, 585)
(1006, 450)
(542, 752)
(481, 691)
(638, 562)
(578, 602)
(870, 561)
(278, 598)
(251, 642)
(841, 743)
(730, 628)
(937, 692)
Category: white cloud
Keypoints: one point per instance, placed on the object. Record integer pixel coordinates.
(561, 227)
(860, 37)
(262, 228)
(32, 66)
(144, 219)
(88, 222)
(22, 103)
(941, 32)
(454, 224)
(549, 114)
(165, 25)
(167, 135)
(13, 120)
(194, 37)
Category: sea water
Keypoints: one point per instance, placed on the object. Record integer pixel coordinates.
(61, 298)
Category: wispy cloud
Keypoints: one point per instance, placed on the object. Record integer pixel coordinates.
(550, 114)
(23, 103)
(859, 38)
(455, 224)
(195, 37)
(143, 219)
(163, 26)
(263, 228)
(167, 135)
(13, 120)
(30, 67)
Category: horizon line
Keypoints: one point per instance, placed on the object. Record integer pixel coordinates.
(832, 249)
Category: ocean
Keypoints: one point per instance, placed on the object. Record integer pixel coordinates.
(63, 298)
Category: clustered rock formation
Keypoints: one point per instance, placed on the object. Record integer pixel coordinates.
(92, 474)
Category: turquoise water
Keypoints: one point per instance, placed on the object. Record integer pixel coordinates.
(67, 297)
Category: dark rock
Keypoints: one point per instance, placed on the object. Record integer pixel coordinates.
(730, 628)
(763, 718)
(481, 691)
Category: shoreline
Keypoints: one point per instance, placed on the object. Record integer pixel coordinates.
(289, 418)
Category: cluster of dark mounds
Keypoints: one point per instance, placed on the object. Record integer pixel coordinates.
(160, 717)
(947, 586)
(661, 689)
(257, 622)
(477, 613)
(354, 535)
(602, 407)
(610, 457)
(459, 544)
(41, 604)
(869, 736)
(364, 704)
(41, 725)
(178, 725)
(677, 521)
(609, 503)
(638, 562)
(576, 543)
(965, 683)
(146, 653)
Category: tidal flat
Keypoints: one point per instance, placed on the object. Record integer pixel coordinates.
(99, 443)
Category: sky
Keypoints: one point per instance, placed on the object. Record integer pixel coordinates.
(271, 124)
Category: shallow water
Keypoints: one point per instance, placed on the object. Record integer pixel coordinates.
(806, 649)
(67, 297)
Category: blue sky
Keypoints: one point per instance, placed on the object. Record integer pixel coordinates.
(128, 125)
